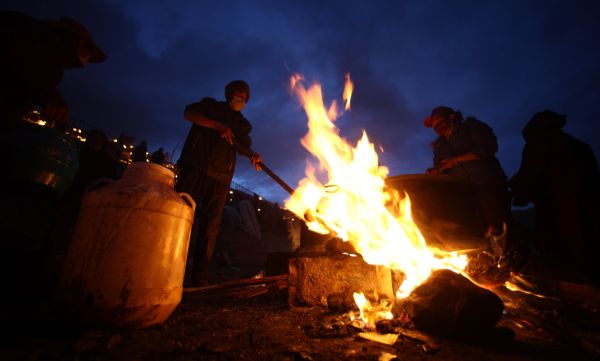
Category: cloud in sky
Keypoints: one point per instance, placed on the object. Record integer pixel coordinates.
(500, 61)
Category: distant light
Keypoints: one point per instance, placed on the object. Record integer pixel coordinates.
(260, 198)
(114, 140)
(258, 209)
(230, 192)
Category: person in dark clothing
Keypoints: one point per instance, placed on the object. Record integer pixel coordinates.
(559, 175)
(94, 162)
(140, 153)
(465, 149)
(158, 156)
(219, 130)
(34, 56)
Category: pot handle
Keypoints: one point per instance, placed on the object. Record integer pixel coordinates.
(98, 183)
(186, 197)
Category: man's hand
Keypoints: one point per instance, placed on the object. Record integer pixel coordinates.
(226, 133)
(255, 159)
(449, 163)
(454, 161)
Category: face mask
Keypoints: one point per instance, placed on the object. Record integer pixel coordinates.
(237, 104)
(442, 127)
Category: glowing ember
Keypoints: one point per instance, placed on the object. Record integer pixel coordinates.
(513, 285)
(352, 200)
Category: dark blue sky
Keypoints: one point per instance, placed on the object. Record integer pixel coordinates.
(500, 61)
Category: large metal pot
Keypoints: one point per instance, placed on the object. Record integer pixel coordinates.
(445, 209)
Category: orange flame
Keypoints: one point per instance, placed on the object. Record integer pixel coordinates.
(348, 89)
(518, 284)
(369, 313)
(353, 201)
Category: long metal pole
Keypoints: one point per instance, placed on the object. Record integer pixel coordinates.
(247, 152)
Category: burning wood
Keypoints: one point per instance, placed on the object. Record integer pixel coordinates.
(353, 201)
(346, 196)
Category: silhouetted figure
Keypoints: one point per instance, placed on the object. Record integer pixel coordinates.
(466, 149)
(34, 56)
(207, 164)
(158, 156)
(94, 162)
(139, 153)
(559, 175)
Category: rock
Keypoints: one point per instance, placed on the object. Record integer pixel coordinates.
(450, 305)
(341, 302)
(313, 279)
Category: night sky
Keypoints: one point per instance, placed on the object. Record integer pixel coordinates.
(500, 61)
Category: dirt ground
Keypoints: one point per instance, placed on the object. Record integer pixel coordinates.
(231, 324)
(254, 322)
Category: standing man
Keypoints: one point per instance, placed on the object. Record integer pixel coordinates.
(219, 131)
(466, 149)
(559, 174)
(158, 156)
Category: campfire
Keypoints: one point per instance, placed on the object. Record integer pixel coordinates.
(345, 195)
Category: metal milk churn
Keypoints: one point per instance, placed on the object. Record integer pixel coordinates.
(126, 261)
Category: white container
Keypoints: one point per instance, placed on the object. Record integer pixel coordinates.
(126, 261)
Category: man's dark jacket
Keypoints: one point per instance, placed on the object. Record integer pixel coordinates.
(205, 150)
